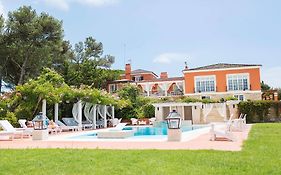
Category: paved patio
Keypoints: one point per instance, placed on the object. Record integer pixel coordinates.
(201, 142)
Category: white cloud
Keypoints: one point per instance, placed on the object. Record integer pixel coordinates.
(60, 4)
(271, 76)
(167, 58)
(98, 3)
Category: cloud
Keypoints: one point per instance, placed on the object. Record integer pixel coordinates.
(167, 58)
(271, 76)
(60, 4)
(98, 3)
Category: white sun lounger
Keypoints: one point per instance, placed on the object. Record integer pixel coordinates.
(6, 135)
(66, 128)
(223, 134)
(8, 128)
(240, 123)
(25, 128)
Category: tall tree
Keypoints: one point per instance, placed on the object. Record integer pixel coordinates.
(2, 59)
(89, 66)
(32, 41)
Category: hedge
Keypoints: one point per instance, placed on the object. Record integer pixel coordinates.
(259, 111)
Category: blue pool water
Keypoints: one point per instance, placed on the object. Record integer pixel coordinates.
(159, 131)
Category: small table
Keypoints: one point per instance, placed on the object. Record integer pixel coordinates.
(40, 134)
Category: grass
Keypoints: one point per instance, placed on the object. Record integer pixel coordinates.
(261, 154)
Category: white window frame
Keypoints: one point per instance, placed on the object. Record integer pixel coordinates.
(244, 98)
(205, 76)
(115, 88)
(138, 78)
(239, 74)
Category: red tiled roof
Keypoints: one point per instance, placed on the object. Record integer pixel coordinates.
(221, 66)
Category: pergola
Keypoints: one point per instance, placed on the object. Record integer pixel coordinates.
(92, 112)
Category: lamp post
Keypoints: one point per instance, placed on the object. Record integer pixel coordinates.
(40, 131)
(174, 124)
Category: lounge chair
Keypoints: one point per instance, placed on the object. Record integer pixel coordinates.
(100, 123)
(225, 134)
(134, 121)
(10, 130)
(152, 120)
(118, 127)
(6, 134)
(66, 128)
(24, 127)
(116, 133)
(240, 123)
(54, 128)
(73, 122)
(115, 121)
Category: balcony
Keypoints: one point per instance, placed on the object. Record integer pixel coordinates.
(163, 93)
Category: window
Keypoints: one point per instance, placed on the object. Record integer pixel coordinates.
(138, 78)
(113, 88)
(205, 84)
(205, 97)
(239, 97)
(238, 82)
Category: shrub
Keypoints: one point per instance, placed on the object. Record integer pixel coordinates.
(149, 110)
(257, 111)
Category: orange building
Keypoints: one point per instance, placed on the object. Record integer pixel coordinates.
(223, 80)
(213, 81)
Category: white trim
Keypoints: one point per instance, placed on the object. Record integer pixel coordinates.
(241, 74)
(143, 73)
(171, 104)
(205, 76)
(159, 82)
(244, 97)
(115, 88)
(211, 70)
(226, 92)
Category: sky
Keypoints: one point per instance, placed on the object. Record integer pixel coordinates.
(161, 35)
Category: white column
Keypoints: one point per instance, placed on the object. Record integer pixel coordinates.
(56, 112)
(105, 120)
(183, 113)
(95, 117)
(147, 89)
(79, 114)
(166, 89)
(44, 107)
(113, 113)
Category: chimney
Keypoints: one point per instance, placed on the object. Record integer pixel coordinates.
(275, 96)
(163, 75)
(128, 71)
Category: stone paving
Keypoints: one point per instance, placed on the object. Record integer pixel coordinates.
(202, 142)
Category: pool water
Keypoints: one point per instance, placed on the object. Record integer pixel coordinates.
(160, 130)
(149, 131)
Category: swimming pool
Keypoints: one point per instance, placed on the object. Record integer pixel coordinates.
(147, 132)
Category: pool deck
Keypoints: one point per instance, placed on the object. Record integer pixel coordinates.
(200, 142)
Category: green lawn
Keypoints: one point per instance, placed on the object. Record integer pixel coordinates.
(261, 155)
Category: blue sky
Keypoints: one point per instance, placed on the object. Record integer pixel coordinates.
(160, 35)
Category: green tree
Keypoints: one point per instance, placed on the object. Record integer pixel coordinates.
(89, 66)
(2, 58)
(31, 41)
(264, 86)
